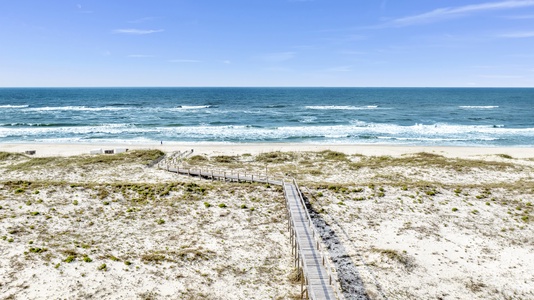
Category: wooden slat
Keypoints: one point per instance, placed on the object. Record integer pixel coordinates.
(317, 278)
(318, 281)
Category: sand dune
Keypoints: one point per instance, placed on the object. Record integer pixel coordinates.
(449, 223)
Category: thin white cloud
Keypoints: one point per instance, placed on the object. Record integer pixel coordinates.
(278, 56)
(450, 12)
(518, 35)
(137, 31)
(184, 61)
(227, 62)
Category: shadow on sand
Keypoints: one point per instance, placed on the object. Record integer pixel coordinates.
(352, 285)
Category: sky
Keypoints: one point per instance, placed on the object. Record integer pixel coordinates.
(317, 43)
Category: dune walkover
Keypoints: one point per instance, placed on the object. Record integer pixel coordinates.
(310, 258)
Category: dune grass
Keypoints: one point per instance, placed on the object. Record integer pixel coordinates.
(135, 156)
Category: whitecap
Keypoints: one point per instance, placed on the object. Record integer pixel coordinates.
(192, 107)
(76, 108)
(13, 106)
(341, 107)
(478, 106)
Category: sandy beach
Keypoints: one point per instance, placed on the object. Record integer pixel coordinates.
(239, 149)
(399, 222)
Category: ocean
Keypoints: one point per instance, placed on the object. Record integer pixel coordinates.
(389, 116)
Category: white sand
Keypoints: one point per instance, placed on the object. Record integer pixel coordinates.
(237, 149)
(463, 242)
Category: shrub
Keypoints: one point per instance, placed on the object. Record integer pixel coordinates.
(87, 259)
(70, 258)
(224, 159)
(207, 205)
(454, 209)
(37, 250)
(160, 221)
(197, 158)
(222, 205)
(333, 155)
(102, 267)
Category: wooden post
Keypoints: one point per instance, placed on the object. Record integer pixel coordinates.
(301, 288)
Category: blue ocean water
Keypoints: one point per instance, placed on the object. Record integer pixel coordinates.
(407, 116)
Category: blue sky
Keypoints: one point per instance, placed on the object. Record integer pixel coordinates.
(267, 43)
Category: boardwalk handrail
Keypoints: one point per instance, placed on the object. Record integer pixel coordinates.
(319, 245)
(265, 179)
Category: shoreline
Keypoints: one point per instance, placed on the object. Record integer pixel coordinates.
(65, 149)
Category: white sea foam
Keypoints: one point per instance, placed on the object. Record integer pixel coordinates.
(13, 106)
(479, 106)
(235, 133)
(308, 119)
(192, 107)
(77, 108)
(341, 107)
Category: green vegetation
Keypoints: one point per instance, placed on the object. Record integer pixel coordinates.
(224, 159)
(10, 156)
(424, 159)
(84, 161)
(275, 157)
(333, 155)
(197, 158)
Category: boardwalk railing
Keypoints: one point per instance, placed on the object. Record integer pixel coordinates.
(319, 246)
(310, 256)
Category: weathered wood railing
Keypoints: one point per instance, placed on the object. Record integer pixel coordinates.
(314, 262)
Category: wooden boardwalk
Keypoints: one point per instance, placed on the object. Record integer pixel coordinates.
(304, 238)
(310, 258)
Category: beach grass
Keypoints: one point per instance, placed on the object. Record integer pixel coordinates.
(112, 215)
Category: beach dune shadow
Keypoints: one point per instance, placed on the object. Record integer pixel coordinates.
(352, 285)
